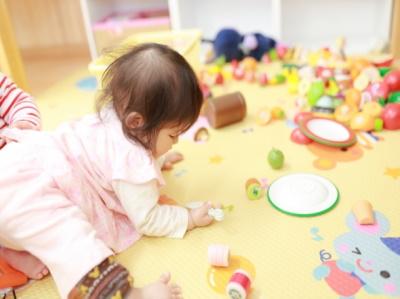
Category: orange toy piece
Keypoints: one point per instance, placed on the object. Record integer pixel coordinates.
(9, 277)
(363, 212)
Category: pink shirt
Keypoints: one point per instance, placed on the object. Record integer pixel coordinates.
(96, 154)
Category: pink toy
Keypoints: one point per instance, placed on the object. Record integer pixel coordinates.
(239, 285)
(238, 73)
(263, 79)
(218, 255)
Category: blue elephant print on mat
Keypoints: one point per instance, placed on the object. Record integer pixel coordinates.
(367, 260)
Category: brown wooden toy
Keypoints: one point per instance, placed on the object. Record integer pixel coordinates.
(363, 212)
(225, 110)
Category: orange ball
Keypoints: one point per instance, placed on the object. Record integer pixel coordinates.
(362, 122)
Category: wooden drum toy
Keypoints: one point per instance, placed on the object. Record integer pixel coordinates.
(225, 110)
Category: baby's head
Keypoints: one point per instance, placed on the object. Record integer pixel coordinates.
(155, 94)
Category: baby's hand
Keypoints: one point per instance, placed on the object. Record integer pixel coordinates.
(199, 217)
(25, 125)
(171, 159)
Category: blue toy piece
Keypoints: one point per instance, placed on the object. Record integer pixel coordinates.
(234, 46)
(227, 43)
(264, 44)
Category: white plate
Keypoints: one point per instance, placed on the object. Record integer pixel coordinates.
(327, 129)
(303, 194)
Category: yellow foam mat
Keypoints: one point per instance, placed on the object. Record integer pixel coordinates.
(283, 251)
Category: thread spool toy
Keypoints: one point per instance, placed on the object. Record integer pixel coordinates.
(239, 285)
(218, 255)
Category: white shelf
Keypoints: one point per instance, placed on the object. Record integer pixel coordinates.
(95, 10)
(310, 23)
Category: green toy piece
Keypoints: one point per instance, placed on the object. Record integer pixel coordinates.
(254, 191)
(276, 158)
(394, 97)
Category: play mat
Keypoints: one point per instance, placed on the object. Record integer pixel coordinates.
(287, 256)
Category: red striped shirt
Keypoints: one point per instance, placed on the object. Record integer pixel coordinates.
(16, 105)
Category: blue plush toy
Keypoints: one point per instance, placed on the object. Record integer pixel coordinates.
(234, 46)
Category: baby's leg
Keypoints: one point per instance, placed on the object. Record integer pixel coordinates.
(24, 262)
(112, 280)
(43, 222)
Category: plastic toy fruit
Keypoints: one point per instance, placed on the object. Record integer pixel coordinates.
(277, 113)
(391, 116)
(254, 190)
(392, 79)
(373, 109)
(298, 137)
(362, 121)
(315, 92)
(353, 97)
(345, 112)
(276, 158)
(394, 97)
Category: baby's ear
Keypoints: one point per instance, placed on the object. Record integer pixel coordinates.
(134, 120)
(380, 228)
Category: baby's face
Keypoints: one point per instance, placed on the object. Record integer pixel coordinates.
(166, 138)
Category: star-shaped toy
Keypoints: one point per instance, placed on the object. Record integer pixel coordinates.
(393, 172)
(216, 159)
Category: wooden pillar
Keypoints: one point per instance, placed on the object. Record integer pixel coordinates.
(395, 32)
(10, 57)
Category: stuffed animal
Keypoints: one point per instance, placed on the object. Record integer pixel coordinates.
(234, 46)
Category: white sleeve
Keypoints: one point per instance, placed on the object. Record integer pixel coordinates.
(161, 160)
(149, 218)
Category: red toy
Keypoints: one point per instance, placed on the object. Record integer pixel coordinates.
(391, 116)
(9, 277)
(392, 79)
(298, 137)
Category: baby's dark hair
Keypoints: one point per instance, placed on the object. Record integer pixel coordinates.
(158, 83)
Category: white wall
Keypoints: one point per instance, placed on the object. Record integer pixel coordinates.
(311, 23)
(317, 23)
(212, 15)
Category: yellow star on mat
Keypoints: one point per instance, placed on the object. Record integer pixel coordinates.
(216, 159)
(393, 172)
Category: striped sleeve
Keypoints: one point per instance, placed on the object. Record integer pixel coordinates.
(15, 104)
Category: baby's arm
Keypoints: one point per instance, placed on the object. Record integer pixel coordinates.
(167, 161)
(17, 108)
(150, 218)
(141, 205)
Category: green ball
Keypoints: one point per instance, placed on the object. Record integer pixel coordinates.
(276, 158)
(254, 191)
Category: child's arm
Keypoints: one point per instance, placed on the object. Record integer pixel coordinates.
(141, 205)
(17, 107)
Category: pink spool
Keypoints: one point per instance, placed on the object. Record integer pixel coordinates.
(218, 255)
(239, 285)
